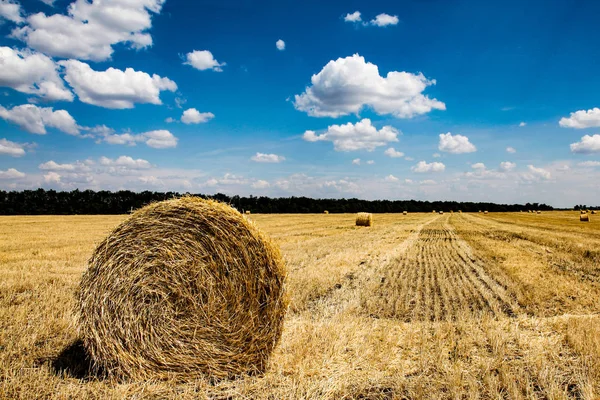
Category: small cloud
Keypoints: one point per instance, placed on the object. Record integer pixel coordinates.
(436, 155)
(589, 164)
(507, 166)
(356, 161)
(354, 17)
(267, 158)
(428, 182)
(391, 152)
(457, 144)
(385, 20)
(11, 148)
(422, 167)
(260, 184)
(169, 120)
(11, 173)
(193, 116)
(478, 166)
(280, 44)
(203, 60)
(522, 124)
(370, 162)
(408, 181)
(511, 150)
(391, 178)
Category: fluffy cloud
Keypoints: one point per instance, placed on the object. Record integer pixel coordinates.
(391, 178)
(11, 173)
(90, 29)
(360, 136)
(267, 158)
(478, 166)
(193, 116)
(354, 17)
(588, 164)
(587, 145)
(280, 44)
(35, 119)
(356, 161)
(54, 166)
(32, 73)
(11, 10)
(511, 150)
(507, 166)
(370, 162)
(522, 124)
(159, 139)
(114, 88)
(260, 184)
(582, 119)
(422, 167)
(125, 162)
(391, 152)
(203, 60)
(384, 20)
(536, 174)
(456, 144)
(346, 85)
(11, 148)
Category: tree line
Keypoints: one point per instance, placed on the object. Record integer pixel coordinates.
(40, 201)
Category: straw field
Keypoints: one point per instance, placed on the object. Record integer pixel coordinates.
(424, 305)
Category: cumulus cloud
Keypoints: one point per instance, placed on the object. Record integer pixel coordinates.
(158, 139)
(356, 161)
(115, 88)
(384, 20)
(391, 178)
(11, 173)
(203, 60)
(360, 136)
(193, 116)
(507, 166)
(456, 144)
(125, 162)
(422, 167)
(32, 73)
(428, 182)
(260, 184)
(34, 119)
(13, 149)
(170, 120)
(511, 150)
(54, 166)
(587, 145)
(478, 166)
(280, 44)
(522, 124)
(370, 162)
(392, 152)
(353, 17)
(11, 10)
(536, 174)
(588, 164)
(90, 29)
(267, 158)
(582, 119)
(347, 85)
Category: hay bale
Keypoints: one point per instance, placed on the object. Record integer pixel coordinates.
(584, 218)
(538, 211)
(325, 212)
(183, 288)
(593, 211)
(433, 211)
(441, 212)
(404, 212)
(364, 219)
(480, 211)
(583, 212)
(485, 212)
(460, 211)
(247, 212)
(529, 211)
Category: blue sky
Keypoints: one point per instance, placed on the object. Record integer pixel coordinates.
(436, 100)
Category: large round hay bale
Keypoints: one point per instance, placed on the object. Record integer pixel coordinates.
(404, 212)
(441, 212)
(485, 212)
(364, 219)
(183, 288)
(584, 218)
(593, 212)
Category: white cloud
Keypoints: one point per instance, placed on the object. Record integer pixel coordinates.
(392, 152)
(193, 116)
(260, 184)
(522, 124)
(11, 148)
(354, 17)
(507, 166)
(203, 60)
(360, 136)
(587, 145)
(384, 20)
(370, 162)
(125, 162)
(436, 155)
(428, 182)
(588, 164)
(11, 173)
(346, 85)
(35, 119)
(11, 10)
(582, 119)
(170, 120)
(536, 174)
(422, 167)
(478, 166)
(48, 2)
(280, 44)
(53, 166)
(90, 29)
(511, 150)
(32, 73)
(159, 139)
(52, 177)
(408, 181)
(356, 161)
(456, 144)
(267, 158)
(391, 178)
(115, 88)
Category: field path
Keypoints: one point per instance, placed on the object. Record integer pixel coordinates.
(437, 278)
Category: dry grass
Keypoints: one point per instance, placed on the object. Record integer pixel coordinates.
(501, 307)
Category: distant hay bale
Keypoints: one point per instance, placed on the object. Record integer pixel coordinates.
(181, 289)
(405, 212)
(538, 211)
(593, 212)
(583, 212)
(584, 218)
(325, 212)
(433, 211)
(485, 212)
(364, 219)
(247, 211)
(441, 212)
(479, 211)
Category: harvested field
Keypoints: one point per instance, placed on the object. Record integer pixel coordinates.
(463, 305)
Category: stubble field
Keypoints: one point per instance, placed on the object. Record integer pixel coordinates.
(497, 306)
